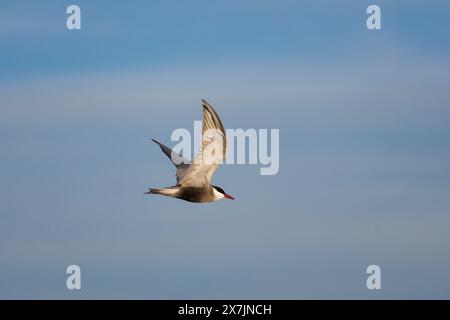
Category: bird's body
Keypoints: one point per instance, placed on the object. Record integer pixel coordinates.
(194, 178)
(191, 194)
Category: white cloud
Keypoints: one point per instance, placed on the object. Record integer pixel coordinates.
(349, 90)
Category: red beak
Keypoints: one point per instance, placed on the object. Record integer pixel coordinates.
(228, 196)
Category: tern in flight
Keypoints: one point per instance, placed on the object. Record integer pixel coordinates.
(194, 178)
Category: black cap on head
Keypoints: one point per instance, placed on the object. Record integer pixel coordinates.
(219, 189)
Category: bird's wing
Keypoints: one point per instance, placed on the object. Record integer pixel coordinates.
(182, 164)
(212, 150)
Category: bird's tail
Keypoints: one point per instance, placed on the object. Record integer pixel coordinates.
(164, 191)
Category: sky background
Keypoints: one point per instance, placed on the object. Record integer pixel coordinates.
(364, 149)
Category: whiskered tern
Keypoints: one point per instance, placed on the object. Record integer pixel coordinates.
(194, 178)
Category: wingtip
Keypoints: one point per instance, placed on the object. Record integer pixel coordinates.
(205, 103)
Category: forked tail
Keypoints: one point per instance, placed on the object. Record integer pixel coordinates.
(171, 192)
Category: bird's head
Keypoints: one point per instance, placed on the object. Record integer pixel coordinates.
(219, 193)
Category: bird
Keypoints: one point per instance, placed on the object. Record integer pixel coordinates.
(194, 177)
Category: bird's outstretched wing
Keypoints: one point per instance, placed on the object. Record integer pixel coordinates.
(212, 150)
(182, 164)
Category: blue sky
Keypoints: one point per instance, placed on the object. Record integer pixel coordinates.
(364, 156)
